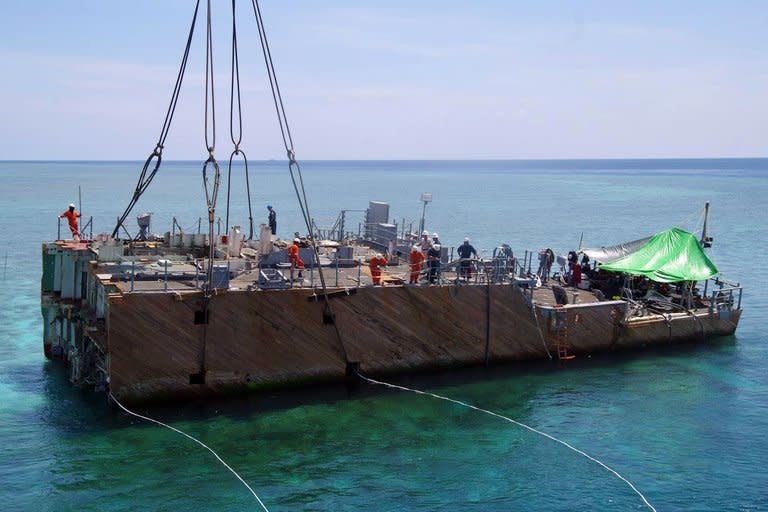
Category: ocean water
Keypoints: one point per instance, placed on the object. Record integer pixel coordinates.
(686, 425)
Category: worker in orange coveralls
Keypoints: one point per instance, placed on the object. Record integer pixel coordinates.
(416, 258)
(376, 262)
(294, 258)
(71, 215)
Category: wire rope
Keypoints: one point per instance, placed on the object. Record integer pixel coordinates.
(191, 438)
(299, 188)
(157, 153)
(237, 139)
(515, 422)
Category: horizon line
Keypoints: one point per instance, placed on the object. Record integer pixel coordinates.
(554, 159)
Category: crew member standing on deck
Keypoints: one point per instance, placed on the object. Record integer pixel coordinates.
(466, 250)
(294, 258)
(433, 258)
(416, 258)
(272, 219)
(71, 215)
(377, 261)
(425, 243)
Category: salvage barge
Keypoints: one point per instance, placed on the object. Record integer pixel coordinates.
(131, 316)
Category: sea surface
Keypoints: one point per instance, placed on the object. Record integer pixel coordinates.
(687, 425)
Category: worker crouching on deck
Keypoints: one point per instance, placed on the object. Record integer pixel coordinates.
(416, 259)
(72, 215)
(377, 261)
(294, 258)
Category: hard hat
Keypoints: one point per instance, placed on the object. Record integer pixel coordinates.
(379, 255)
(296, 240)
(71, 205)
(269, 207)
(425, 233)
(434, 235)
(415, 248)
(466, 239)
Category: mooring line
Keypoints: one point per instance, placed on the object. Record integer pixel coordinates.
(519, 424)
(146, 418)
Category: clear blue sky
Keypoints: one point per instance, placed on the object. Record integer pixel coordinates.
(88, 79)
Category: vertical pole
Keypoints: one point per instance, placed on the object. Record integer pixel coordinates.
(199, 224)
(487, 320)
(704, 228)
(80, 200)
(166, 276)
(197, 275)
(58, 230)
(133, 273)
(312, 277)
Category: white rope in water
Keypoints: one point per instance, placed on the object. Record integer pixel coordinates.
(523, 425)
(146, 418)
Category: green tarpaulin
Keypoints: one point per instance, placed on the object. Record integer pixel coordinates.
(670, 256)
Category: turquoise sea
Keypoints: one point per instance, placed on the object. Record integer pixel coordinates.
(686, 425)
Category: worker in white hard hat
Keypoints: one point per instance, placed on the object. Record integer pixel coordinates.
(416, 259)
(466, 251)
(295, 259)
(434, 255)
(377, 261)
(72, 215)
(425, 243)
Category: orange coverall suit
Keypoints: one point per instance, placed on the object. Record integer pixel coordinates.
(71, 216)
(375, 271)
(293, 257)
(416, 258)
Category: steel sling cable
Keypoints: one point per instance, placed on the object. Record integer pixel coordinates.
(301, 195)
(157, 153)
(236, 140)
(212, 193)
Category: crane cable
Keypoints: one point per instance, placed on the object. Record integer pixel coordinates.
(157, 153)
(293, 165)
(211, 194)
(236, 140)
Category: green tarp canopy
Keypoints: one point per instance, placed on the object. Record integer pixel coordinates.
(668, 257)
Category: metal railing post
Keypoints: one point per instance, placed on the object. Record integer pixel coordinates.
(197, 275)
(133, 273)
(58, 230)
(337, 271)
(359, 270)
(166, 276)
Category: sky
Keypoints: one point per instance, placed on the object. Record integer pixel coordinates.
(488, 79)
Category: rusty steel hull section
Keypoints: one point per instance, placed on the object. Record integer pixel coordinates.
(257, 339)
